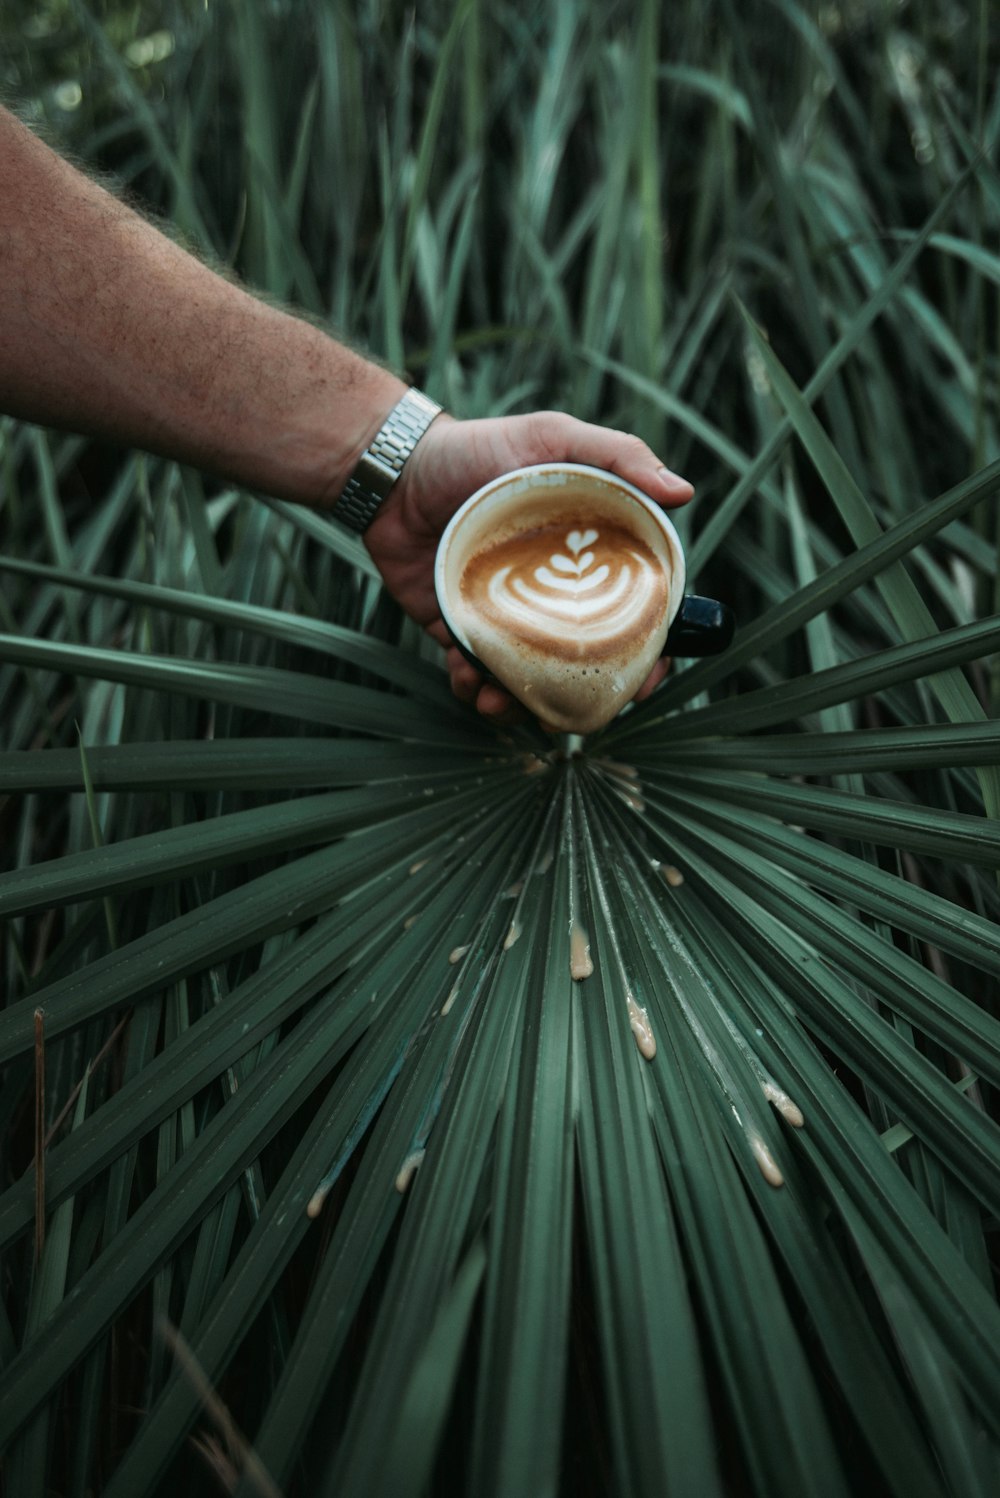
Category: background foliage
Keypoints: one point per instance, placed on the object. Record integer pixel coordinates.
(247, 828)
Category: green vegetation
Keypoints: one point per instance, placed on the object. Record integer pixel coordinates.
(248, 828)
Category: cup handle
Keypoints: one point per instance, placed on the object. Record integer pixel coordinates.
(703, 626)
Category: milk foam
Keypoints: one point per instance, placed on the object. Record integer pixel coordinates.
(570, 616)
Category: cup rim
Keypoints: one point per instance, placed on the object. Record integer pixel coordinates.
(524, 476)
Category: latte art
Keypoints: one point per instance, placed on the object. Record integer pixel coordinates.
(574, 588)
(574, 591)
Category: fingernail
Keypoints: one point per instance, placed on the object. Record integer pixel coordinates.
(673, 480)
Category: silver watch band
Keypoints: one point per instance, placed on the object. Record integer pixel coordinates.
(380, 467)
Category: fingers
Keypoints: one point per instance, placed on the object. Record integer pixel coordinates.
(499, 706)
(465, 679)
(563, 437)
(490, 700)
(438, 630)
(654, 678)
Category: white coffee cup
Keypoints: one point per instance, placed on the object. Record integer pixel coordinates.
(566, 583)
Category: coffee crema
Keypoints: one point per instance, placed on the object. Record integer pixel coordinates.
(570, 615)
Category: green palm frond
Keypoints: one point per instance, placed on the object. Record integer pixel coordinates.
(673, 1111)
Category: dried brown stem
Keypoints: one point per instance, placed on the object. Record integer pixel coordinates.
(235, 1449)
(92, 1066)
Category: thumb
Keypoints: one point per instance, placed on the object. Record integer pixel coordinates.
(564, 438)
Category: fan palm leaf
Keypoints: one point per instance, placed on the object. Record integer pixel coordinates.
(461, 1069)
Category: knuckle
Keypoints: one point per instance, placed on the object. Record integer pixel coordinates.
(552, 433)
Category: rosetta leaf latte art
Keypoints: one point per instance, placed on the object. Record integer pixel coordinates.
(587, 588)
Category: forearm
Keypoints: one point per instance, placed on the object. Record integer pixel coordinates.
(107, 326)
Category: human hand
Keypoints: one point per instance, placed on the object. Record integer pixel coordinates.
(451, 461)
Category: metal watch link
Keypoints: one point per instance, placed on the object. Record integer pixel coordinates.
(380, 467)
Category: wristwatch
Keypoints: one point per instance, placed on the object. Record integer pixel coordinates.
(380, 467)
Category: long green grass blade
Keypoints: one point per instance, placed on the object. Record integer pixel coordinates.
(912, 616)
